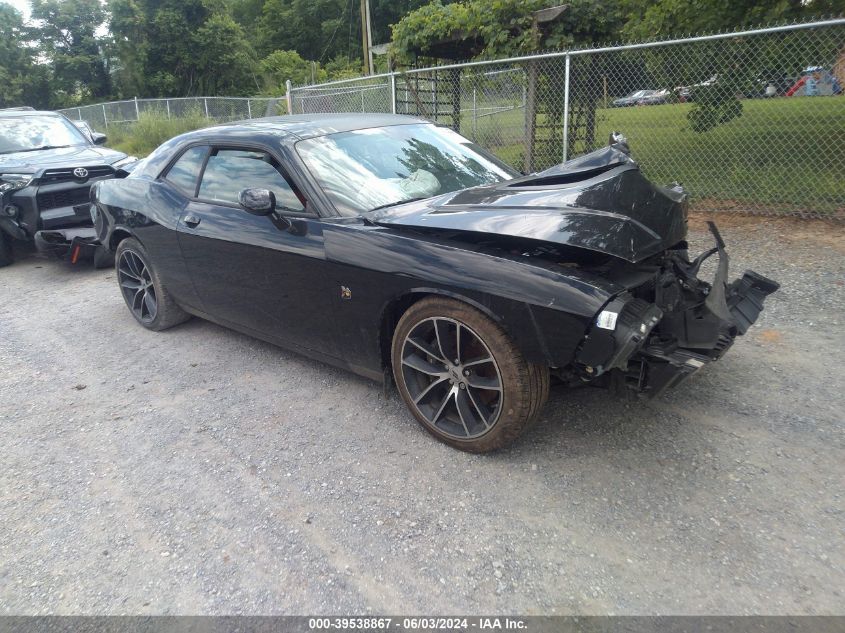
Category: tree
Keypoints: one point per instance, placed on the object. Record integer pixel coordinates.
(673, 18)
(14, 56)
(281, 66)
(309, 27)
(496, 28)
(66, 37)
(224, 63)
(22, 81)
(180, 48)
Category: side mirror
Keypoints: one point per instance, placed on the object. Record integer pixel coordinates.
(257, 201)
(99, 139)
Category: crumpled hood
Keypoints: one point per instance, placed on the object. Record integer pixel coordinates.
(76, 156)
(600, 202)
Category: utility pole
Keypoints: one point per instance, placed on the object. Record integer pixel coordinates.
(370, 40)
(367, 37)
(533, 76)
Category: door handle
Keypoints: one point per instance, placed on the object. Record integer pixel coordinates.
(191, 220)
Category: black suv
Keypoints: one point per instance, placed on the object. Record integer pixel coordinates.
(47, 167)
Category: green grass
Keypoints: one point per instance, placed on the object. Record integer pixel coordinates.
(151, 130)
(784, 154)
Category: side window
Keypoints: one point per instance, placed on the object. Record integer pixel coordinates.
(185, 171)
(229, 172)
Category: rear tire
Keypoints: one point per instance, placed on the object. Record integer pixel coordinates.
(142, 289)
(6, 255)
(480, 403)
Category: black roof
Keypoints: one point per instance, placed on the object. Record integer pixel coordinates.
(24, 111)
(311, 125)
(278, 129)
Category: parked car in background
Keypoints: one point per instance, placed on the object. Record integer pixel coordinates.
(815, 81)
(395, 247)
(658, 97)
(47, 167)
(685, 93)
(641, 97)
(768, 84)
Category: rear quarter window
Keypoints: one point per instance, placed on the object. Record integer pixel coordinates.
(185, 172)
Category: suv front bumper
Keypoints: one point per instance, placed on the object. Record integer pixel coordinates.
(51, 206)
(74, 245)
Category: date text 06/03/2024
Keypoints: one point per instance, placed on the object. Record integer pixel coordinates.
(417, 623)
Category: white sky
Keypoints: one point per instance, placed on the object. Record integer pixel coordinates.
(20, 5)
(24, 7)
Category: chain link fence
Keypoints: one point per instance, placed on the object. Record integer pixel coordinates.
(215, 109)
(750, 121)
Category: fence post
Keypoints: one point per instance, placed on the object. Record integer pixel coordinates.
(530, 113)
(167, 104)
(137, 112)
(474, 118)
(205, 101)
(248, 109)
(289, 96)
(566, 110)
(105, 118)
(78, 114)
(393, 93)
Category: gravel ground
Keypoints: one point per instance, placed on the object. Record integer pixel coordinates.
(198, 471)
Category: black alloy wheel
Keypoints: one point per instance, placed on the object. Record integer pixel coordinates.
(142, 289)
(462, 377)
(136, 284)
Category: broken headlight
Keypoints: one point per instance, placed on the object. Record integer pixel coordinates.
(620, 330)
(12, 182)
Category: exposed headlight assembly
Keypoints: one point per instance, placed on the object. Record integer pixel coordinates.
(12, 182)
(621, 328)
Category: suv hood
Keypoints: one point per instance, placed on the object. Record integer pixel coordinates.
(76, 156)
(599, 202)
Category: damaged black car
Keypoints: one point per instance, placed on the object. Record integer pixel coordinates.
(400, 250)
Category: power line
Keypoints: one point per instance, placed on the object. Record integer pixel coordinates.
(331, 39)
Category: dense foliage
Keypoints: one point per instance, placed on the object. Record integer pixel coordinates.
(80, 51)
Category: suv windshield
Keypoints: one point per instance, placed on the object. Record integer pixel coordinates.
(378, 167)
(28, 133)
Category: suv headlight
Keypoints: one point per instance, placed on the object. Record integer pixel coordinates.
(11, 182)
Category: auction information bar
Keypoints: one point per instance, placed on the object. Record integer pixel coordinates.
(529, 624)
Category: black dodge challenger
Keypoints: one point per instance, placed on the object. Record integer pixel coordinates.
(394, 247)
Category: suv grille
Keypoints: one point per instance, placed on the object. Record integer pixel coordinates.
(68, 198)
(66, 174)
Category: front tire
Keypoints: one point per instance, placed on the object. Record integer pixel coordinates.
(462, 376)
(144, 293)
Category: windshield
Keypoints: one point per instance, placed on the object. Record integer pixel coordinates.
(20, 134)
(363, 170)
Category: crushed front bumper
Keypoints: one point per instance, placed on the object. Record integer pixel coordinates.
(666, 365)
(74, 246)
(664, 333)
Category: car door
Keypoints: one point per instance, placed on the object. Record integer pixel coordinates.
(263, 274)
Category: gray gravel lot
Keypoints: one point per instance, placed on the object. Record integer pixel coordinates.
(198, 471)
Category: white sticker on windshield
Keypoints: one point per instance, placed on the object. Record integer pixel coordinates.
(607, 320)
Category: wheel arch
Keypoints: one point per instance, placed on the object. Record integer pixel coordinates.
(117, 236)
(393, 310)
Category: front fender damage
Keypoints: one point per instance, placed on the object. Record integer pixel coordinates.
(660, 332)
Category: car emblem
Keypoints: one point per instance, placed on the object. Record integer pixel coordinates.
(80, 172)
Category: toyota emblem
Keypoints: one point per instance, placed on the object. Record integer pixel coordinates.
(80, 172)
